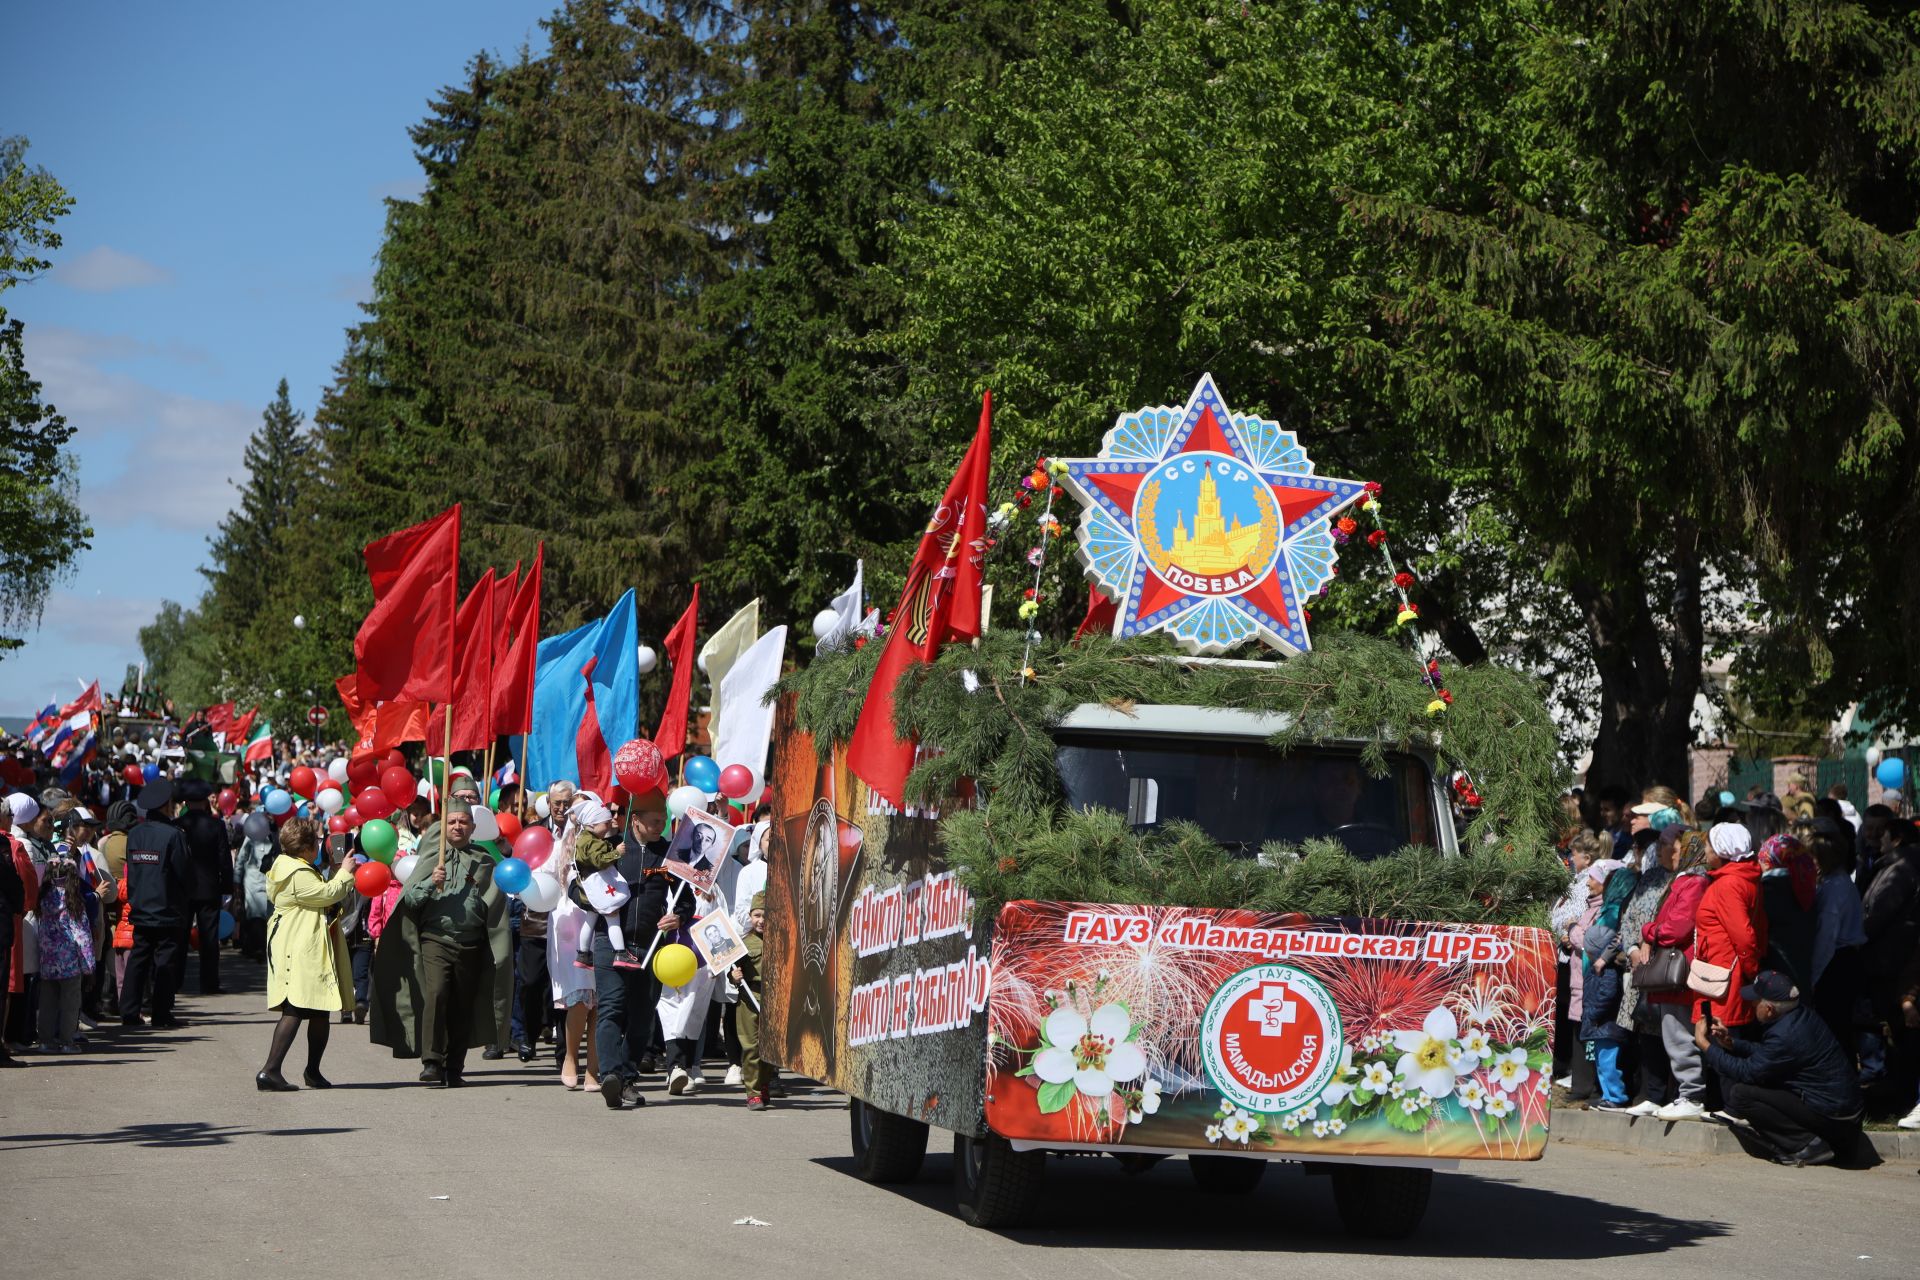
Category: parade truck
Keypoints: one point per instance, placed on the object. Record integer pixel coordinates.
(1149, 902)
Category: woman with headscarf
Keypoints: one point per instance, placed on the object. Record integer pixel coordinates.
(1636, 1016)
(1731, 942)
(1788, 881)
(256, 854)
(1600, 1036)
(1674, 926)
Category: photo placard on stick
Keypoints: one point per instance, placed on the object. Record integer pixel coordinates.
(718, 941)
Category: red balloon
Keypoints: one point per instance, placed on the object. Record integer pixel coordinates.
(229, 801)
(638, 766)
(372, 879)
(399, 786)
(301, 781)
(509, 826)
(396, 759)
(373, 803)
(133, 776)
(352, 816)
(338, 824)
(534, 846)
(735, 781)
(363, 771)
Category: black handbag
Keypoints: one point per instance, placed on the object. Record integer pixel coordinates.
(1665, 970)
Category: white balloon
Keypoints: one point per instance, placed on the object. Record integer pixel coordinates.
(485, 825)
(426, 789)
(403, 866)
(681, 799)
(648, 660)
(825, 623)
(299, 622)
(330, 801)
(1874, 756)
(542, 892)
(541, 807)
(337, 770)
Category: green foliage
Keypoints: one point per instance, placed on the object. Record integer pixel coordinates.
(179, 650)
(42, 529)
(1021, 841)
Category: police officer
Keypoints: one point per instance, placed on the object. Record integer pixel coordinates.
(210, 876)
(159, 884)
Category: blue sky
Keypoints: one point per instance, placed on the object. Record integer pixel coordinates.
(228, 163)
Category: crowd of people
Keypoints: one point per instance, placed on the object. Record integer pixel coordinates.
(105, 905)
(1750, 960)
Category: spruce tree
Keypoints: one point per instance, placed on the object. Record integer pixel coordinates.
(247, 554)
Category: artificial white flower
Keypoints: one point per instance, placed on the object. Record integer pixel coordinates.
(1377, 1078)
(1499, 1107)
(1510, 1070)
(1473, 1095)
(1093, 1054)
(1427, 1057)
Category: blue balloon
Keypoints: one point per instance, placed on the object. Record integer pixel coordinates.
(1892, 773)
(149, 771)
(277, 802)
(703, 773)
(512, 875)
(226, 925)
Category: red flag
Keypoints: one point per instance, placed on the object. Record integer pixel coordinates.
(513, 672)
(241, 727)
(219, 717)
(357, 711)
(89, 700)
(671, 736)
(394, 723)
(941, 602)
(472, 675)
(590, 752)
(1102, 609)
(405, 649)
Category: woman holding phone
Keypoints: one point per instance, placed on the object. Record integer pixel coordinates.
(309, 976)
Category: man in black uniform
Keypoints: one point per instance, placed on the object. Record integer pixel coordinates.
(210, 873)
(157, 895)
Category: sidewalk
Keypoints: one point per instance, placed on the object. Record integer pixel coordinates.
(1691, 1137)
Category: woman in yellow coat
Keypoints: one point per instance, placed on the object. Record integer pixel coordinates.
(309, 976)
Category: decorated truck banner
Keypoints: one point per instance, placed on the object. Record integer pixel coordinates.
(1243, 1032)
(877, 977)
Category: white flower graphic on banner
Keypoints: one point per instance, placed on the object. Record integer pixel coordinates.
(1093, 1054)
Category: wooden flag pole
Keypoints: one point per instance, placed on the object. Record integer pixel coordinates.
(520, 778)
(446, 769)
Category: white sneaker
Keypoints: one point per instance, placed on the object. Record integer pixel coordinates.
(694, 1083)
(1644, 1108)
(1565, 1082)
(735, 1076)
(1911, 1120)
(1682, 1109)
(678, 1081)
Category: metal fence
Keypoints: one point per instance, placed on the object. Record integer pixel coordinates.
(1850, 768)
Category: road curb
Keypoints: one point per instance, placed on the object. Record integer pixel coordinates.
(1691, 1137)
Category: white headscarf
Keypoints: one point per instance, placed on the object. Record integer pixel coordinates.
(592, 813)
(1732, 841)
(24, 807)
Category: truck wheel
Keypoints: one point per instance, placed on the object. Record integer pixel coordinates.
(995, 1185)
(1379, 1203)
(886, 1147)
(1226, 1175)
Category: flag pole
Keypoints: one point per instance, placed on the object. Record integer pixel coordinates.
(446, 766)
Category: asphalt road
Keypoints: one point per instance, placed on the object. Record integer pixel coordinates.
(154, 1155)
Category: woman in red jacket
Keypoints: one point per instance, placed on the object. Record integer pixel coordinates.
(1732, 930)
(1673, 926)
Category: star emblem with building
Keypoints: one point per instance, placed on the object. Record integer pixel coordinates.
(1208, 525)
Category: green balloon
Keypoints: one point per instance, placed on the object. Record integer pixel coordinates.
(493, 849)
(493, 802)
(379, 839)
(437, 770)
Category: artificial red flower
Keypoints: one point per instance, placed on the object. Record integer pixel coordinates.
(1372, 486)
(1377, 537)
(1347, 524)
(1403, 580)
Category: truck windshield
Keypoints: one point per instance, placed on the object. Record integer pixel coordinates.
(1244, 794)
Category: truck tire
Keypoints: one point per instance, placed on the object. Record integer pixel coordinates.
(995, 1185)
(886, 1147)
(1380, 1203)
(1226, 1175)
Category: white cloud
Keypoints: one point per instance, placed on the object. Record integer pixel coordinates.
(73, 617)
(52, 342)
(400, 188)
(106, 269)
(147, 455)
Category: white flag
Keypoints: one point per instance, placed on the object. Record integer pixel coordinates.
(720, 652)
(742, 734)
(847, 606)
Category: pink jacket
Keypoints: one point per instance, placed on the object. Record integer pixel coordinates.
(380, 910)
(1577, 936)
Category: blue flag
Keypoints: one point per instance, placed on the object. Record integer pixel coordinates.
(560, 693)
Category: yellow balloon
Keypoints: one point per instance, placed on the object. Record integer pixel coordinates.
(675, 965)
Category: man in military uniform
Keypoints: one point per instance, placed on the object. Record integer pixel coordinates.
(209, 876)
(158, 891)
